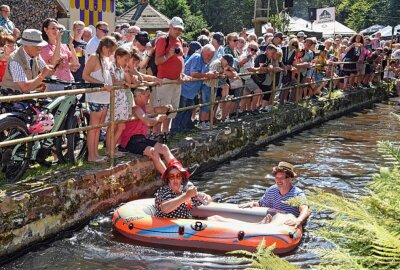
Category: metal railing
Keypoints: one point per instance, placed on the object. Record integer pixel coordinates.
(294, 87)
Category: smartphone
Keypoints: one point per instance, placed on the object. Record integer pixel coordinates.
(65, 37)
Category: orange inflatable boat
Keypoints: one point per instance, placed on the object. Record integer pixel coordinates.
(136, 220)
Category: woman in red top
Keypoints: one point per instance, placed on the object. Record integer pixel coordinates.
(8, 43)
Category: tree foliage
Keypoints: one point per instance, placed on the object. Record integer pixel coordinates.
(366, 230)
(263, 258)
(232, 15)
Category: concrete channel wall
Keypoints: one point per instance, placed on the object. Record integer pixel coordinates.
(34, 210)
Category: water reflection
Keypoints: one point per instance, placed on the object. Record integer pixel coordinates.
(338, 157)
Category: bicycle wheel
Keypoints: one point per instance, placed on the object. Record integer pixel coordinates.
(14, 159)
(75, 147)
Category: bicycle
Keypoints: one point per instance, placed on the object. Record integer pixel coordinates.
(23, 119)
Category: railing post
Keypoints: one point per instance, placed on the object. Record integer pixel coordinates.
(298, 85)
(212, 100)
(331, 82)
(112, 127)
(272, 98)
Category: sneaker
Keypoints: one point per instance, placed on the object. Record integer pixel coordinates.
(255, 112)
(264, 110)
(204, 126)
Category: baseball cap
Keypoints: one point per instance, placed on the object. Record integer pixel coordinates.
(229, 59)
(177, 22)
(142, 37)
(220, 38)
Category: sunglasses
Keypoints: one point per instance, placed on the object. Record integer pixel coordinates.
(253, 49)
(235, 40)
(105, 31)
(175, 176)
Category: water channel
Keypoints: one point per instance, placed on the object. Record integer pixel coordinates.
(339, 156)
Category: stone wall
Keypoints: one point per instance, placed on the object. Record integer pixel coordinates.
(32, 211)
(31, 13)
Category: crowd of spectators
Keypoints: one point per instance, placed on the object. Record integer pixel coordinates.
(126, 56)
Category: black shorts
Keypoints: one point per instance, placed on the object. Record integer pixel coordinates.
(138, 143)
(218, 92)
(265, 88)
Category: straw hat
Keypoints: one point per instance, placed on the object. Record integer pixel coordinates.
(284, 167)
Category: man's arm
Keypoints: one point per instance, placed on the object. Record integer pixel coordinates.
(148, 121)
(22, 81)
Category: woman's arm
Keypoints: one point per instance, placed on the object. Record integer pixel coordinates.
(170, 205)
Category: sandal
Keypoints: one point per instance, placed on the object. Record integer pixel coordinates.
(100, 160)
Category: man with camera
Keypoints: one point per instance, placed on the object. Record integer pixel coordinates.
(169, 59)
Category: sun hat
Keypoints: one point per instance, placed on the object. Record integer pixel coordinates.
(32, 37)
(177, 22)
(286, 167)
(175, 164)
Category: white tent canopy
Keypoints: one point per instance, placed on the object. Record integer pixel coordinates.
(387, 31)
(372, 29)
(327, 29)
(332, 28)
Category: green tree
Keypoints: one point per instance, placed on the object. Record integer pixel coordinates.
(193, 19)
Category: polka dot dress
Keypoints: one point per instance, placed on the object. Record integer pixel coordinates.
(163, 194)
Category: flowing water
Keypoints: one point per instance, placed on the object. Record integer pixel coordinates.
(339, 156)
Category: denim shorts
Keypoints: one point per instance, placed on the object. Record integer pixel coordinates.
(205, 97)
(97, 107)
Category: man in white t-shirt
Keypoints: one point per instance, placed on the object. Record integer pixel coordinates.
(101, 31)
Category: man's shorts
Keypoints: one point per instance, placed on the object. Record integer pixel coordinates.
(250, 85)
(166, 94)
(205, 98)
(138, 143)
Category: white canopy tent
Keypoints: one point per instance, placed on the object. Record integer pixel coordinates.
(327, 29)
(372, 29)
(387, 31)
(332, 28)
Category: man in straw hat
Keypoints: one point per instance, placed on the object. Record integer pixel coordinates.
(26, 69)
(277, 196)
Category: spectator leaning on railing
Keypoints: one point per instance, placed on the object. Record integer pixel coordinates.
(196, 67)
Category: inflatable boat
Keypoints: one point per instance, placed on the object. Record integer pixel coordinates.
(136, 221)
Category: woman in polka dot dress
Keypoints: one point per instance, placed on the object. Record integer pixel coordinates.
(171, 201)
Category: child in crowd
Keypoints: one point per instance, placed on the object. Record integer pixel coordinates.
(123, 98)
(98, 70)
(319, 72)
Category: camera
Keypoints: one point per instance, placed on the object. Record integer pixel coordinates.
(177, 50)
(321, 47)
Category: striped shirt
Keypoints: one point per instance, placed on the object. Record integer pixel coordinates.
(273, 199)
(17, 72)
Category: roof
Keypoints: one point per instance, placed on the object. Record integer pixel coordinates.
(145, 16)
